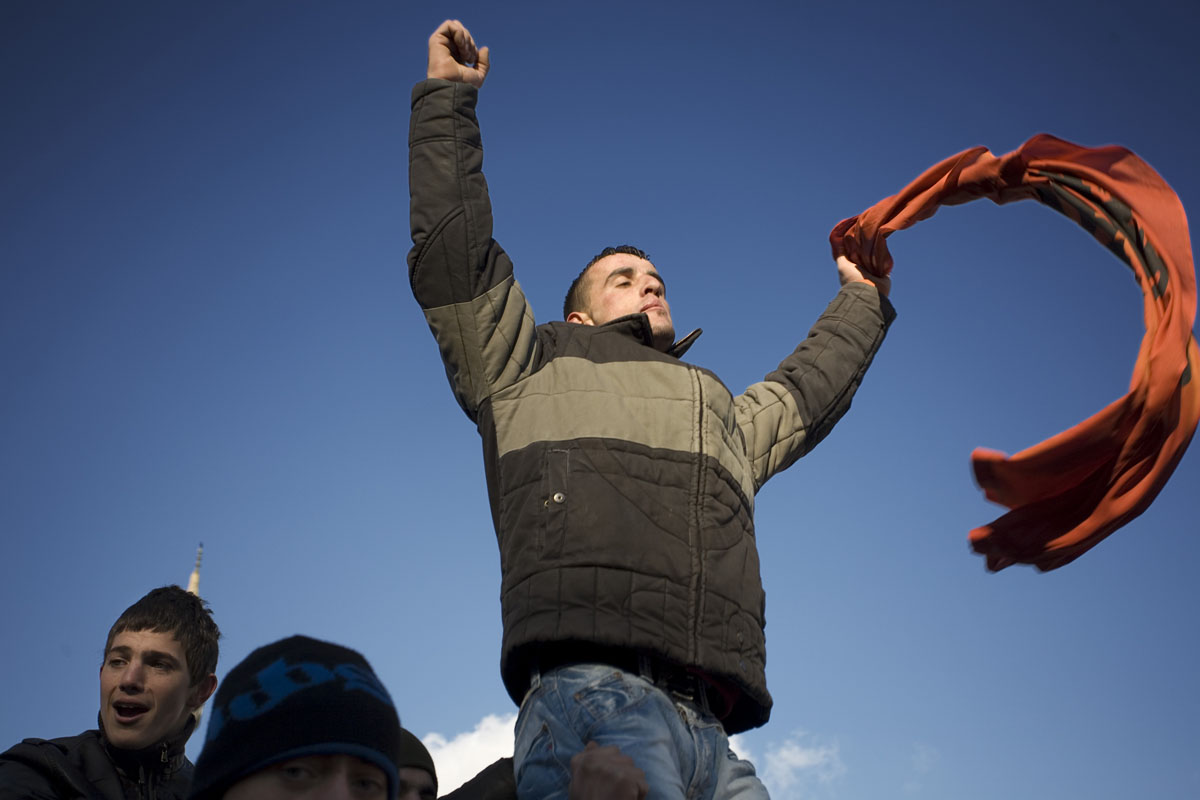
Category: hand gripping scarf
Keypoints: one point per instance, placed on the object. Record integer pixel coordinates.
(1072, 490)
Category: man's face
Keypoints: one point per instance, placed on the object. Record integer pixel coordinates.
(416, 784)
(623, 284)
(145, 692)
(318, 777)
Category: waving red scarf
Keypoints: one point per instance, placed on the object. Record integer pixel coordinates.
(1072, 490)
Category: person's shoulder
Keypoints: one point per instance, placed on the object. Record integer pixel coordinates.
(494, 782)
(41, 767)
(27, 769)
(62, 744)
(35, 745)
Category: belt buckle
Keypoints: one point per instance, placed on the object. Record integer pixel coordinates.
(675, 681)
(687, 693)
(681, 684)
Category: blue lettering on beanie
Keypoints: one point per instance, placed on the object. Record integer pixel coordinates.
(280, 680)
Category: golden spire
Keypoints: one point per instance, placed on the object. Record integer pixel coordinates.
(194, 588)
(194, 580)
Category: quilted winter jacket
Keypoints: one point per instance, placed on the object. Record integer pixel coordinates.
(621, 479)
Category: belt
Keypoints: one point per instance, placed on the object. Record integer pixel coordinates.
(668, 676)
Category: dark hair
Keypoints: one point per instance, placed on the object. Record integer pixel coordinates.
(575, 295)
(169, 609)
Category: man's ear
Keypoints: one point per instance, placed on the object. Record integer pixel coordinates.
(202, 691)
(580, 318)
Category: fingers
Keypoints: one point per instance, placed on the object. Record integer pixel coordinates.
(848, 272)
(455, 37)
(605, 773)
(453, 55)
(482, 64)
(464, 44)
(444, 33)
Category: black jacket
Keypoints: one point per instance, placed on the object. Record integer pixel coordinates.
(621, 479)
(86, 766)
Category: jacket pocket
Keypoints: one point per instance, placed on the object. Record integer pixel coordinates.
(556, 497)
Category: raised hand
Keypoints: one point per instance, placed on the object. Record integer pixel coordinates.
(848, 271)
(454, 57)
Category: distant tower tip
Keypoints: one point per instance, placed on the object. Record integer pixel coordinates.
(194, 580)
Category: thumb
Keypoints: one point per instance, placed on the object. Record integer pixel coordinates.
(482, 63)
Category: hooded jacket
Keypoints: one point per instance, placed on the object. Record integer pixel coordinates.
(621, 479)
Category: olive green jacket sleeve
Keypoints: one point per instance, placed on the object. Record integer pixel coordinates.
(461, 277)
(785, 415)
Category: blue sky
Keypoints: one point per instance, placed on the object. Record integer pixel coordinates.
(206, 334)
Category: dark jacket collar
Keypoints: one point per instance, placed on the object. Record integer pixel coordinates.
(165, 756)
(681, 347)
(639, 325)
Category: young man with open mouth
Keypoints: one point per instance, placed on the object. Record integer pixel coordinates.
(159, 667)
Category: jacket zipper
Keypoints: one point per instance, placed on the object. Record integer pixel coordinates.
(696, 590)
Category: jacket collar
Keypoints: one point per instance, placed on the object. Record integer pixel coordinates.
(639, 326)
(681, 347)
(165, 756)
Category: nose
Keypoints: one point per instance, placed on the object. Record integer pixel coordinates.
(338, 788)
(133, 677)
(652, 286)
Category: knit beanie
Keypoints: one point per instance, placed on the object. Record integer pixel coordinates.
(296, 697)
(413, 754)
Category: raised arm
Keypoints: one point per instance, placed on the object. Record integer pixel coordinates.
(787, 413)
(461, 277)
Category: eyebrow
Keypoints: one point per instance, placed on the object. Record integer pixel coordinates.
(147, 655)
(629, 272)
(159, 655)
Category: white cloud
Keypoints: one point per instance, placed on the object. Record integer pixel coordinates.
(924, 759)
(737, 744)
(800, 766)
(460, 758)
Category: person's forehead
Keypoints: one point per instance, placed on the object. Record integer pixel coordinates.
(619, 262)
(332, 759)
(159, 641)
(414, 775)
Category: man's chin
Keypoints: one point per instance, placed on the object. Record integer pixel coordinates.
(129, 735)
(126, 739)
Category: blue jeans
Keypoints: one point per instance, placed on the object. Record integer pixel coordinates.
(680, 746)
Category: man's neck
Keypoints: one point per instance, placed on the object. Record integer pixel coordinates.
(157, 756)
